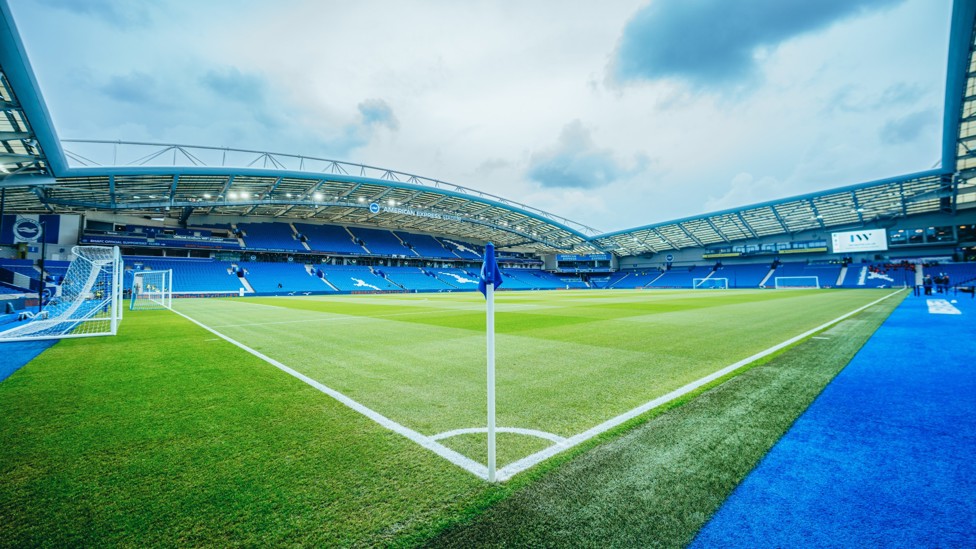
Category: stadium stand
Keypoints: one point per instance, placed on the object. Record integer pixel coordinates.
(425, 246)
(271, 236)
(283, 277)
(381, 242)
(872, 275)
(569, 281)
(355, 278)
(329, 239)
(413, 278)
(959, 273)
(680, 277)
(529, 279)
(190, 276)
(23, 266)
(462, 250)
(748, 275)
(633, 278)
(457, 278)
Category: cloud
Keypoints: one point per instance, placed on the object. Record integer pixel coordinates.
(118, 13)
(745, 189)
(908, 128)
(377, 113)
(712, 43)
(231, 83)
(577, 162)
(853, 100)
(492, 165)
(136, 88)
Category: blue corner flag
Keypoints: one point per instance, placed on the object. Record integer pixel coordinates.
(489, 271)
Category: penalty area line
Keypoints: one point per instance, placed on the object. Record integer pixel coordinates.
(456, 458)
(527, 462)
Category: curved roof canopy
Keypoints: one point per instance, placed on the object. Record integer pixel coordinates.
(41, 173)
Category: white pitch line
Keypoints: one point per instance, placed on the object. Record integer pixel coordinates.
(818, 337)
(461, 461)
(517, 430)
(516, 467)
(507, 472)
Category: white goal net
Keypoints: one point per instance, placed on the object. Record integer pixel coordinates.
(151, 290)
(796, 282)
(88, 302)
(710, 283)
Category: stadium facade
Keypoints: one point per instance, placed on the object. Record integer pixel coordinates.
(237, 206)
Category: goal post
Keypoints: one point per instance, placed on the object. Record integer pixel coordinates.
(710, 283)
(88, 302)
(796, 282)
(151, 290)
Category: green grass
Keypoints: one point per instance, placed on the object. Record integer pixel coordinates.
(659, 483)
(165, 434)
(565, 361)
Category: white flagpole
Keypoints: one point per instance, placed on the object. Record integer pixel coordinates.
(490, 296)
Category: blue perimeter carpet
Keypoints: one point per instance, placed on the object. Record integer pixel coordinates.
(886, 455)
(15, 355)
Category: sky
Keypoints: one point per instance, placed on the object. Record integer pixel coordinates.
(612, 114)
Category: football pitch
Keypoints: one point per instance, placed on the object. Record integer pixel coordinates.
(569, 364)
(169, 434)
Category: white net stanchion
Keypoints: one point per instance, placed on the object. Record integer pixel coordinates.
(87, 303)
(151, 290)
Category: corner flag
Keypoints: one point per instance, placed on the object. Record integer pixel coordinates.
(489, 271)
(490, 279)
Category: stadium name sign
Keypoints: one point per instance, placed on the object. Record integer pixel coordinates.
(421, 213)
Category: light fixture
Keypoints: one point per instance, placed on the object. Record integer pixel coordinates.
(361, 199)
(317, 196)
(232, 195)
(206, 195)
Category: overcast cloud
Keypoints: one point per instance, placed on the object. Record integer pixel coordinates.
(614, 115)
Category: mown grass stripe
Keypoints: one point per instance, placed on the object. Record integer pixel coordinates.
(461, 461)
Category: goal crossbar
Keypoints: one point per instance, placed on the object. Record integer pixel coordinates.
(714, 283)
(152, 290)
(796, 282)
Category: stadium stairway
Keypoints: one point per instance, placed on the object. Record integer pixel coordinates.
(884, 456)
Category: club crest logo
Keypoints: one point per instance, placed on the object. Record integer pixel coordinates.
(27, 230)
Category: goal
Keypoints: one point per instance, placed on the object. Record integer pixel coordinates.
(710, 283)
(88, 302)
(151, 290)
(796, 282)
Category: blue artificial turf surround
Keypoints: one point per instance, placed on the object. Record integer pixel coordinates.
(14, 355)
(885, 456)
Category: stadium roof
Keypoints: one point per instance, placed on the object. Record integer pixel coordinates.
(43, 174)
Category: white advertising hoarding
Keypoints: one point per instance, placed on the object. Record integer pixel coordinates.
(871, 240)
